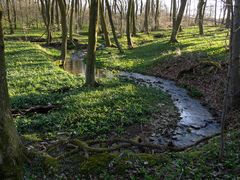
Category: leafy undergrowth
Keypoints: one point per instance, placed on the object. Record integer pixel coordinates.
(198, 163)
(150, 50)
(35, 80)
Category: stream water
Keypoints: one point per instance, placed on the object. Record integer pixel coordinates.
(196, 121)
(77, 66)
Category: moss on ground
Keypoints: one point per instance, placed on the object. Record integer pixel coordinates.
(198, 163)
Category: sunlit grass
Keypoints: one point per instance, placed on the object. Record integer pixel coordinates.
(35, 80)
(150, 51)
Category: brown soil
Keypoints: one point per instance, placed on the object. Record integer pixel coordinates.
(197, 72)
(163, 123)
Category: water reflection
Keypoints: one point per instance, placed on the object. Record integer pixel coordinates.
(196, 121)
(77, 66)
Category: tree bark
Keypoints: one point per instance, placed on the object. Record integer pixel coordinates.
(228, 19)
(71, 21)
(48, 18)
(177, 22)
(234, 86)
(62, 7)
(104, 26)
(128, 27)
(113, 28)
(133, 17)
(9, 17)
(146, 19)
(157, 14)
(201, 9)
(14, 14)
(11, 166)
(92, 41)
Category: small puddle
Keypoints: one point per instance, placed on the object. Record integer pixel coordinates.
(196, 121)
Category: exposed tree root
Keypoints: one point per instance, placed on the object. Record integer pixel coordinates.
(88, 148)
(36, 109)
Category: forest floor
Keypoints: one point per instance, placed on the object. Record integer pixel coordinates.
(117, 107)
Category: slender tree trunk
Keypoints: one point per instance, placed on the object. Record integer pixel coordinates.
(146, 19)
(46, 14)
(224, 14)
(92, 41)
(9, 17)
(228, 19)
(133, 17)
(128, 29)
(76, 14)
(141, 8)
(215, 14)
(63, 11)
(11, 166)
(14, 14)
(157, 15)
(171, 9)
(104, 26)
(71, 21)
(48, 17)
(178, 21)
(57, 15)
(52, 12)
(113, 28)
(201, 5)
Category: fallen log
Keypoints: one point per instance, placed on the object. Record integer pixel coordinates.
(40, 109)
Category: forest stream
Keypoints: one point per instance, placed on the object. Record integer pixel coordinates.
(196, 122)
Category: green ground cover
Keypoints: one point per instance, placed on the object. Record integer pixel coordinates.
(34, 79)
(153, 51)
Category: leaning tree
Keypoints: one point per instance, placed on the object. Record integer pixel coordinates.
(177, 19)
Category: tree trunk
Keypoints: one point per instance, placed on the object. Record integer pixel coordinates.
(215, 13)
(14, 14)
(146, 19)
(71, 21)
(232, 90)
(92, 41)
(104, 26)
(178, 21)
(112, 26)
(133, 17)
(201, 9)
(9, 17)
(128, 29)
(52, 12)
(63, 9)
(46, 14)
(48, 18)
(57, 15)
(157, 15)
(234, 86)
(11, 166)
(229, 7)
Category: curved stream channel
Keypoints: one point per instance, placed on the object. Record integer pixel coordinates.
(196, 121)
